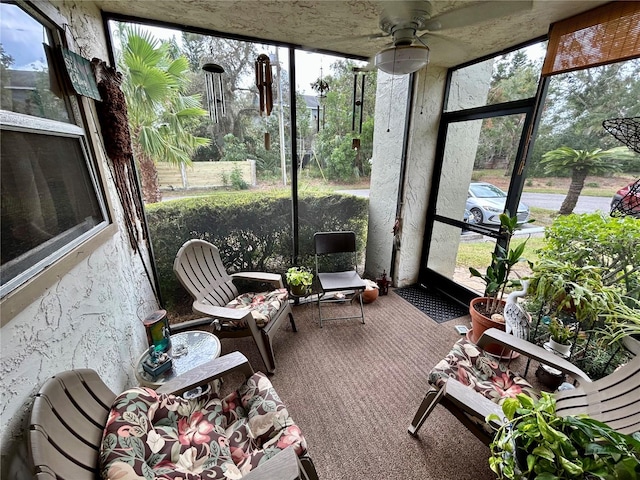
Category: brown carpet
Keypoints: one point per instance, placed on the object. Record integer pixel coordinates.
(353, 390)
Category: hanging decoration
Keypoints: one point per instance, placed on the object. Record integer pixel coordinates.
(113, 118)
(357, 106)
(264, 82)
(215, 91)
(322, 87)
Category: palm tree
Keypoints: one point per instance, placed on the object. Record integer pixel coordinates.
(159, 113)
(581, 163)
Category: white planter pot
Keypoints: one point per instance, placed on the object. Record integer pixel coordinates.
(559, 348)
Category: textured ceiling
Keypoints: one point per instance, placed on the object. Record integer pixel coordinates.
(346, 26)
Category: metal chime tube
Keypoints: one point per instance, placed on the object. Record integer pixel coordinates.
(211, 98)
(215, 91)
(353, 106)
(361, 102)
(223, 107)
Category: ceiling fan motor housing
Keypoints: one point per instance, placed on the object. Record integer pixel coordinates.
(403, 25)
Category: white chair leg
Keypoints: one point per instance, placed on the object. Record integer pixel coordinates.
(431, 399)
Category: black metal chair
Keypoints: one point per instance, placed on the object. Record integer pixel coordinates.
(336, 259)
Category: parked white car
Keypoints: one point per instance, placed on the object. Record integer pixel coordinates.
(486, 202)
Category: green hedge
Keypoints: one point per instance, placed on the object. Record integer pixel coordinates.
(252, 230)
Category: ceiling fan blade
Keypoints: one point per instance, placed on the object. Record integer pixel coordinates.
(440, 42)
(476, 13)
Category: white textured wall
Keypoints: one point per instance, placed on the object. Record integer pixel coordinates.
(422, 145)
(426, 111)
(385, 176)
(391, 100)
(90, 318)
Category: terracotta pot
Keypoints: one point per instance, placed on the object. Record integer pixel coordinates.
(480, 323)
(369, 296)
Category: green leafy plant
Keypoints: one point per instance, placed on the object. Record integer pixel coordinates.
(534, 442)
(560, 332)
(237, 182)
(608, 243)
(497, 276)
(568, 288)
(299, 277)
(623, 320)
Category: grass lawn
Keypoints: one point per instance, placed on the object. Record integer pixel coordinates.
(476, 253)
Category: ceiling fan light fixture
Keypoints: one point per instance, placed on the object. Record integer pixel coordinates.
(401, 60)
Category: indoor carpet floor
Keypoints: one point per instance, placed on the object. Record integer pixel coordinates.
(436, 306)
(353, 390)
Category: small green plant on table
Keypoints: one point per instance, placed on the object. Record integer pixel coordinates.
(299, 280)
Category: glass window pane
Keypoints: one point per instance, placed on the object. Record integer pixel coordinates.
(334, 117)
(478, 161)
(580, 177)
(29, 81)
(505, 78)
(48, 198)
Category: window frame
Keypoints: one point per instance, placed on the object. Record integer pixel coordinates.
(531, 107)
(21, 291)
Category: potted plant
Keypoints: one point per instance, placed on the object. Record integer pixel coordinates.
(299, 280)
(486, 312)
(559, 337)
(370, 293)
(534, 442)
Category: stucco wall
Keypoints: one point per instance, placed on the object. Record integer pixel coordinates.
(391, 95)
(422, 145)
(385, 176)
(90, 318)
(468, 89)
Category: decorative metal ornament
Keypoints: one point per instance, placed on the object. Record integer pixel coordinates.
(215, 91)
(320, 86)
(626, 130)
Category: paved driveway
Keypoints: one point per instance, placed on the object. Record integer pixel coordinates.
(553, 201)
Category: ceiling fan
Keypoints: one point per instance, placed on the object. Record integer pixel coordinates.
(404, 22)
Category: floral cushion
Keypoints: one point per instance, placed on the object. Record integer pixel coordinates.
(158, 436)
(484, 373)
(263, 305)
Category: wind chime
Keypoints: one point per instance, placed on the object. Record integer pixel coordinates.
(322, 88)
(357, 106)
(264, 83)
(215, 91)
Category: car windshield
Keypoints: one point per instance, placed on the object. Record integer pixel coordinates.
(484, 190)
